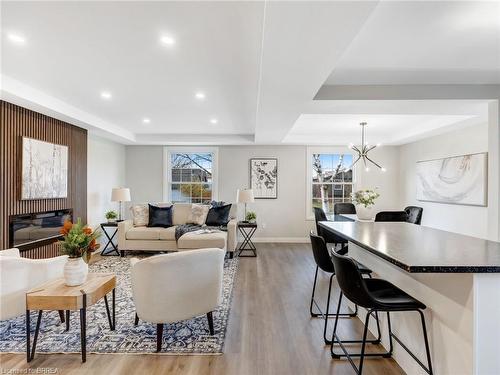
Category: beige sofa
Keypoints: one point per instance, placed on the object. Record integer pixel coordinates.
(143, 238)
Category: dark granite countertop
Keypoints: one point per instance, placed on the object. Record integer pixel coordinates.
(416, 248)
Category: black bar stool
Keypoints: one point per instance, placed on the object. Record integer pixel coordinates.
(319, 215)
(324, 261)
(374, 295)
(391, 216)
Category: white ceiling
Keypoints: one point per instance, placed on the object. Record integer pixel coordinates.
(424, 42)
(260, 65)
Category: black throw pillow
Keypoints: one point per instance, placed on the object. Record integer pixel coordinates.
(160, 216)
(218, 216)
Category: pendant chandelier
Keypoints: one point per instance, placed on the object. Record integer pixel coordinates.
(363, 150)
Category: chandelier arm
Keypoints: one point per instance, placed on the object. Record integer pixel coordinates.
(371, 148)
(373, 162)
(355, 148)
(364, 161)
(355, 161)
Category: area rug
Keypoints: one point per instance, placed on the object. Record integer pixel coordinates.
(186, 337)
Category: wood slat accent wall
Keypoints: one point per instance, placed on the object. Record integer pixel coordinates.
(18, 122)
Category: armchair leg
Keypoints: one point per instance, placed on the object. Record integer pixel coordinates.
(159, 337)
(61, 315)
(122, 253)
(136, 319)
(210, 323)
(231, 253)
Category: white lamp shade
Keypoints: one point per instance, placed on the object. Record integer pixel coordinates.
(120, 195)
(245, 196)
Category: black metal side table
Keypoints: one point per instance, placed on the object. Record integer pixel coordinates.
(113, 249)
(247, 229)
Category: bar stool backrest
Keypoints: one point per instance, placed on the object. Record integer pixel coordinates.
(321, 253)
(391, 216)
(319, 215)
(350, 281)
(414, 214)
(344, 208)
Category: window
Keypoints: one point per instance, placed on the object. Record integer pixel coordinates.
(191, 175)
(330, 179)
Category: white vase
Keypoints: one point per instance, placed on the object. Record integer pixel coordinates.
(75, 271)
(364, 213)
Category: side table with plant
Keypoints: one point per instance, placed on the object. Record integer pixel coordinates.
(79, 242)
(251, 217)
(111, 216)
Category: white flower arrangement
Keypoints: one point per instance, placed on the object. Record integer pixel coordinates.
(364, 197)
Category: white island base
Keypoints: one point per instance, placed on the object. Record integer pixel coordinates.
(462, 316)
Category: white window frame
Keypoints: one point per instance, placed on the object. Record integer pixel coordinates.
(309, 171)
(167, 167)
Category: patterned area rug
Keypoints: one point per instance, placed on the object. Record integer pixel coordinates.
(186, 337)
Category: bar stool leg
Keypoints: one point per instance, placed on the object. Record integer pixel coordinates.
(328, 310)
(363, 344)
(312, 296)
(426, 341)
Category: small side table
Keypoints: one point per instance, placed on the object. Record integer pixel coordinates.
(247, 230)
(114, 249)
(55, 295)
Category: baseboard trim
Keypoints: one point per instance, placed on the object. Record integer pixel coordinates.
(281, 239)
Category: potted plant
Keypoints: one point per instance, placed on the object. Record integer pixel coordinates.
(251, 217)
(111, 216)
(79, 242)
(364, 201)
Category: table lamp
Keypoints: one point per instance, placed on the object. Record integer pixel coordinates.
(245, 196)
(120, 195)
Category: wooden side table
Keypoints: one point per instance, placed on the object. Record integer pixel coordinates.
(247, 229)
(110, 239)
(55, 295)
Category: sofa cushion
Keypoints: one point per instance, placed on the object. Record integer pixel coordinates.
(140, 215)
(197, 241)
(167, 233)
(143, 233)
(181, 213)
(198, 214)
(160, 216)
(218, 215)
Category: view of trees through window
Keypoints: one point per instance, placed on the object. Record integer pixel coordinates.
(191, 177)
(331, 180)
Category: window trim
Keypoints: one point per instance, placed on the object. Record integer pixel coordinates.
(167, 167)
(322, 150)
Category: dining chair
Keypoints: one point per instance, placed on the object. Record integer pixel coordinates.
(344, 208)
(414, 214)
(391, 216)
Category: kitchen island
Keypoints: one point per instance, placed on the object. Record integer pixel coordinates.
(456, 276)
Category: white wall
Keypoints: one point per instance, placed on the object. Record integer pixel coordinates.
(105, 170)
(470, 220)
(280, 219)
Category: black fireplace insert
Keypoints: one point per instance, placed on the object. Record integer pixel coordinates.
(27, 231)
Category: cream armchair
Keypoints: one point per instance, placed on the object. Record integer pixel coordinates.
(178, 286)
(18, 275)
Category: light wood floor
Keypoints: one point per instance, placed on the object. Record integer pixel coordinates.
(270, 330)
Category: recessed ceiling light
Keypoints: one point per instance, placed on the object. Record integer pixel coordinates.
(199, 95)
(106, 95)
(16, 38)
(146, 120)
(213, 121)
(167, 40)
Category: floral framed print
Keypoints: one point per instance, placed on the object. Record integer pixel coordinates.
(264, 177)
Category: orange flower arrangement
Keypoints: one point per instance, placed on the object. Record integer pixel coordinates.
(78, 240)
